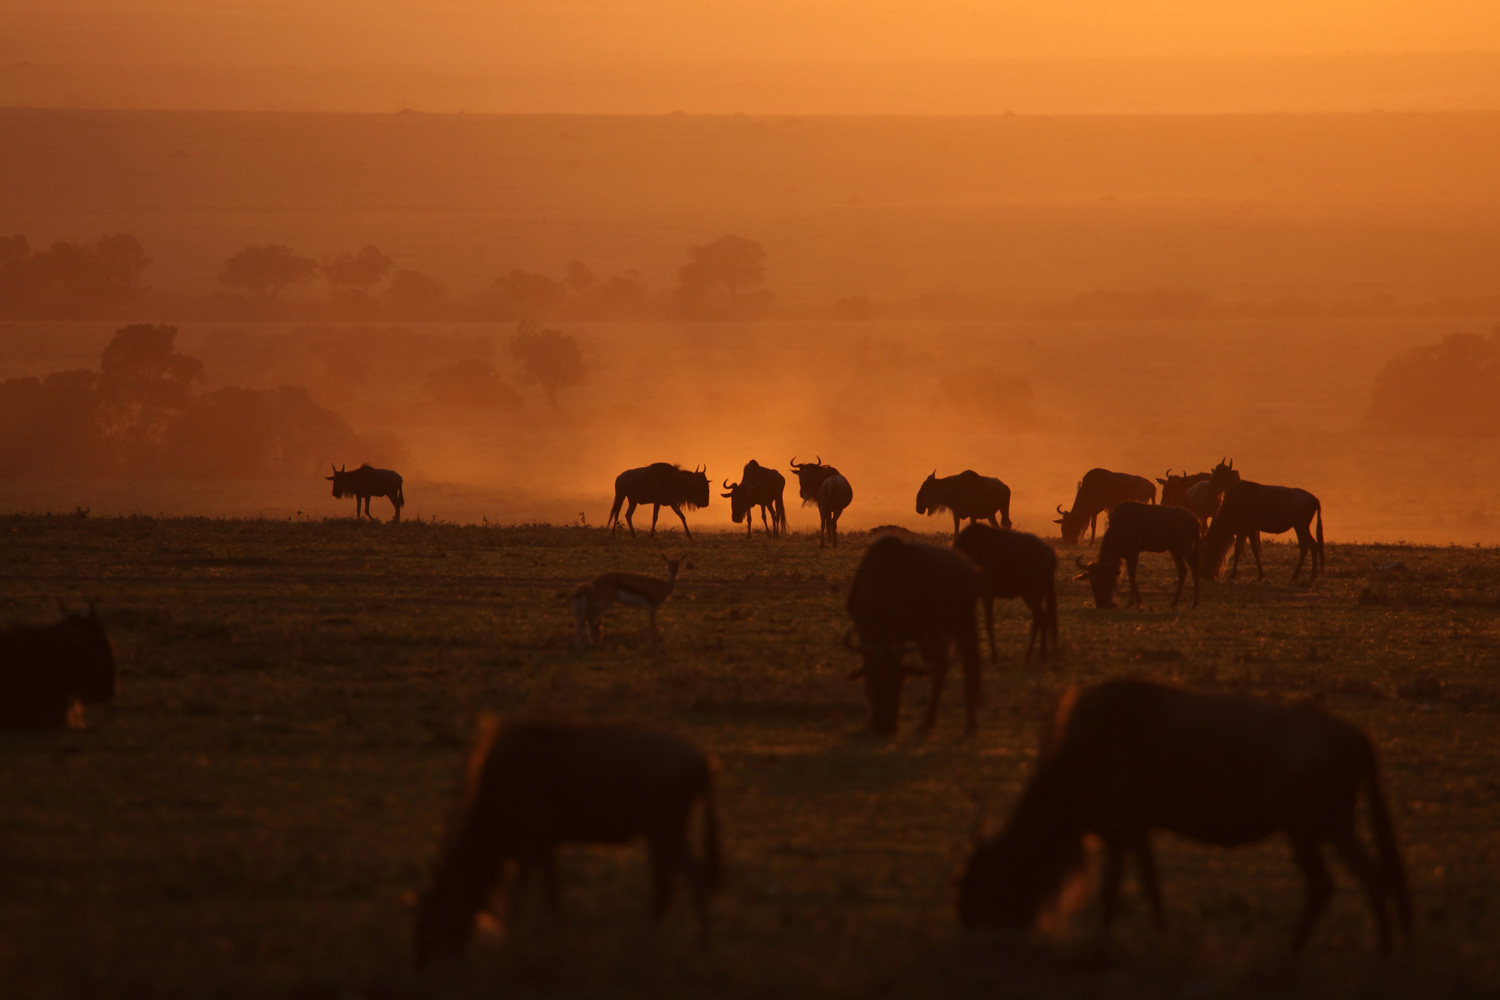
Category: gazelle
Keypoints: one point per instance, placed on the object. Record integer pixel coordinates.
(635, 589)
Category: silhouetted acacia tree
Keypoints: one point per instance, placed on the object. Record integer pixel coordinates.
(71, 280)
(264, 270)
(549, 358)
(144, 387)
(414, 295)
(48, 426)
(355, 270)
(1447, 389)
(235, 432)
(472, 384)
(727, 265)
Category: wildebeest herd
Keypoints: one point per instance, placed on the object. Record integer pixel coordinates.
(1121, 759)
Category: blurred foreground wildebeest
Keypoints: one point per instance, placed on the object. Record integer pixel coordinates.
(1014, 564)
(821, 484)
(364, 483)
(634, 589)
(1135, 528)
(909, 594)
(660, 484)
(1250, 508)
(967, 494)
(758, 487)
(529, 788)
(1101, 490)
(48, 672)
(1128, 757)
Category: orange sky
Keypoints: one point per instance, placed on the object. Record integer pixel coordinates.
(582, 55)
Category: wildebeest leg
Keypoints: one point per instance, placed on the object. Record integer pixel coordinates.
(396, 505)
(628, 522)
(1093, 527)
(678, 511)
(1145, 863)
(1348, 847)
(1234, 564)
(1260, 571)
(697, 884)
(662, 853)
(655, 511)
(1304, 546)
(1131, 562)
(1307, 850)
(992, 521)
(935, 656)
(968, 651)
(956, 522)
(1038, 616)
(1114, 870)
(1182, 569)
(989, 626)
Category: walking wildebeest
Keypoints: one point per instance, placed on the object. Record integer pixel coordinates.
(1128, 757)
(1014, 564)
(758, 487)
(49, 672)
(1098, 491)
(1174, 489)
(1250, 508)
(529, 788)
(905, 594)
(635, 589)
(1135, 528)
(660, 484)
(966, 495)
(364, 483)
(821, 484)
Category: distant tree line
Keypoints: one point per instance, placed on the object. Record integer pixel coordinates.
(1447, 389)
(141, 413)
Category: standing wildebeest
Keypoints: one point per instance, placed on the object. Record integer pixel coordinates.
(1250, 508)
(635, 589)
(1135, 528)
(910, 593)
(1174, 489)
(821, 484)
(528, 789)
(1128, 757)
(364, 483)
(758, 487)
(1101, 490)
(1203, 498)
(967, 494)
(48, 672)
(1015, 564)
(660, 484)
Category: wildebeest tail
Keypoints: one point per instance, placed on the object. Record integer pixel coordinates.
(1391, 866)
(400, 497)
(713, 859)
(1320, 535)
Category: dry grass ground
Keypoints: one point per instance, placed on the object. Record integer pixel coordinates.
(295, 698)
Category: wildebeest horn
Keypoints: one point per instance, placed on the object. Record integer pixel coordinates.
(727, 486)
(1221, 461)
(1231, 463)
(818, 460)
(335, 468)
(1061, 511)
(793, 463)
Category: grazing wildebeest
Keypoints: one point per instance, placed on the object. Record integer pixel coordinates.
(758, 487)
(364, 483)
(1250, 508)
(1131, 757)
(912, 594)
(821, 484)
(529, 788)
(49, 672)
(1174, 489)
(1135, 528)
(660, 484)
(1014, 564)
(966, 495)
(635, 589)
(1101, 490)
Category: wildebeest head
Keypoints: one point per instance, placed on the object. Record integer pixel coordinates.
(884, 674)
(1001, 886)
(697, 487)
(1223, 476)
(810, 476)
(338, 482)
(926, 498)
(1072, 525)
(93, 658)
(739, 498)
(1102, 576)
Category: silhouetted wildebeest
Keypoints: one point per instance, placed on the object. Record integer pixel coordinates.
(1174, 489)
(966, 495)
(49, 672)
(1250, 508)
(660, 484)
(364, 483)
(634, 589)
(1098, 491)
(910, 594)
(758, 487)
(1128, 757)
(1223, 476)
(1014, 564)
(821, 484)
(529, 788)
(1135, 528)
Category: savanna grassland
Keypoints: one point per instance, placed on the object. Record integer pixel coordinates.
(296, 696)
